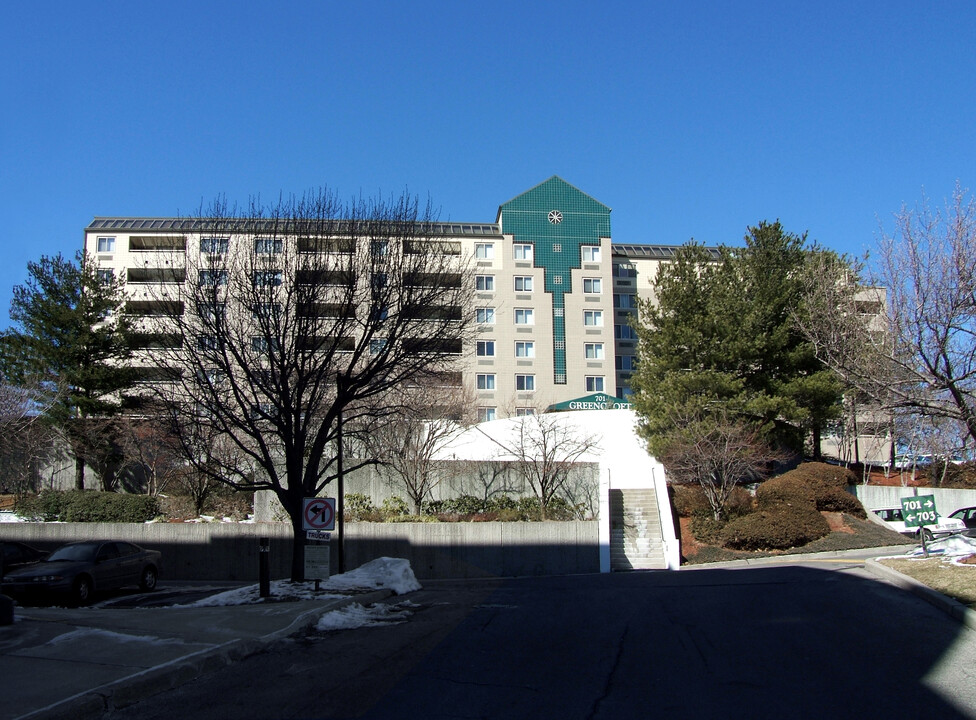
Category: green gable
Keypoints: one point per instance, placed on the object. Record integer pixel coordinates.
(557, 219)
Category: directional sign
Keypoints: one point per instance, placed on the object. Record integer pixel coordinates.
(919, 510)
(318, 513)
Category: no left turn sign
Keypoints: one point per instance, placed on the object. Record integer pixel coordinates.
(318, 514)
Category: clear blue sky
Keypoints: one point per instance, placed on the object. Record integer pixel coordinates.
(690, 120)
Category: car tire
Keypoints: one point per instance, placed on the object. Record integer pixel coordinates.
(82, 589)
(927, 534)
(147, 582)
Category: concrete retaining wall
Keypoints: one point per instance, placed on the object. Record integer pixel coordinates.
(219, 551)
(947, 500)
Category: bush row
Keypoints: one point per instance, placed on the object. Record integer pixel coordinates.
(87, 506)
(501, 508)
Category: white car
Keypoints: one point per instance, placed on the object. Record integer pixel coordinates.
(946, 525)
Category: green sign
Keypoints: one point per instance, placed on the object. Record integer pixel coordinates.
(597, 401)
(919, 510)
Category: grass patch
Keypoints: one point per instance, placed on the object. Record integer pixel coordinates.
(955, 580)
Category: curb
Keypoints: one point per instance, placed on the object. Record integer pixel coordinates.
(101, 701)
(953, 608)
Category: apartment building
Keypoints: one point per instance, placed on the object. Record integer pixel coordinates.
(552, 295)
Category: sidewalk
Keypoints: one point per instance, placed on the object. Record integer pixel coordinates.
(78, 663)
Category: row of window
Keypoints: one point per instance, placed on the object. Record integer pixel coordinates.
(525, 382)
(526, 316)
(526, 349)
(525, 283)
(489, 413)
(523, 252)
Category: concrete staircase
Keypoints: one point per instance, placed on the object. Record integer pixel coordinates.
(635, 531)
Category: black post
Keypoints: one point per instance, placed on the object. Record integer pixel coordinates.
(340, 498)
(264, 571)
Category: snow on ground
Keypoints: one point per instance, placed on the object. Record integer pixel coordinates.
(383, 573)
(82, 638)
(9, 516)
(356, 616)
(951, 546)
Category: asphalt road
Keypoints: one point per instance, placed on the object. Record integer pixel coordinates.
(762, 642)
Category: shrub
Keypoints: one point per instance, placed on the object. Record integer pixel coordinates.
(90, 506)
(837, 500)
(825, 475)
(779, 528)
(785, 489)
(689, 499)
(740, 502)
(706, 528)
(956, 476)
(357, 506)
(394, 507)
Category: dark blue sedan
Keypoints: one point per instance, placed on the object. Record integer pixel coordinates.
(77, 570)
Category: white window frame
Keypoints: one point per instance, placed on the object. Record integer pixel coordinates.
(527, 382)
(485, 348)
(522, 252)
(214, 245)
(524, 412)
(484, 251)
(592, 318)
(523, 283)
(593, 351)
(593, 286)
(105, 244)
(591, 253)
(487, 414)
(484, 283)
(484, 315)
(525, 348)
(592, 381)
(485, 381)
(268, 246)
(527, 316)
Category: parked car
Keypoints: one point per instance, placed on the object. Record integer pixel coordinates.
(966, 515)
(894, 519)
(77, 570)
(15, 554)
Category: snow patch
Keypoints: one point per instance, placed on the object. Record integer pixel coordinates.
(356, 616)
(85, 635)
(383, 573)
(952, 546)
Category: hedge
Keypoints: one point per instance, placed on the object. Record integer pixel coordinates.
(87, 506)
(779, 528)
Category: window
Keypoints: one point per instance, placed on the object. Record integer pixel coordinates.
(267, 246)
(624, 332)
(267, 278)
(260, 344)
(523, 283)
(627, 363)
(592, 285)
(379, 247)
(210, 376)
(593, 351)
(625, 302)
(377, 346)
(594, 383)
(486, 381)
(214, 245)
(266, 310)
(593, 318)
(207, 342)
(210, 278)
(522, 251)
(525, 382)
(106, 244)
(484, 251)
(486, 414)
(524, 412)
(486, 348)
(485, 316)
(591, 253)
(484, 283)
(624, 271)
(525, 349)
(523, 316)
(105, 277)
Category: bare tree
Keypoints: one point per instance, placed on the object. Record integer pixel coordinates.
(543, 449)
(295, 324)
(715, 451)
(151, 449)
(429, 414)
(27, 443)
(906, 336)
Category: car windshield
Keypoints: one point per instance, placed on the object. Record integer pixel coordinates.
(85, 551)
